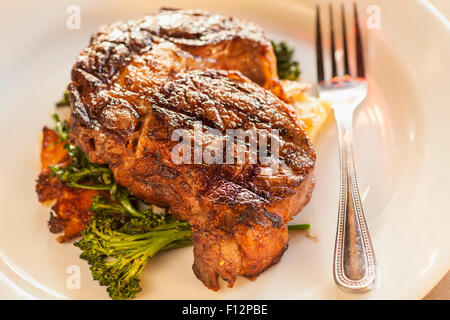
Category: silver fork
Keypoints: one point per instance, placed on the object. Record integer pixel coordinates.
(354, 264)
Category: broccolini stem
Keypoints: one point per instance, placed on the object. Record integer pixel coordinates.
(122, 196)
(163, 241)
(64, 100)
(62, 128)
(88, 172)
(90, 186)
(132, 239)
(180, 244)
(299, 227)
(112, 208)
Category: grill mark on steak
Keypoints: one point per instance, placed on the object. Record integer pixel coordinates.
(140, 80)
(164, 114)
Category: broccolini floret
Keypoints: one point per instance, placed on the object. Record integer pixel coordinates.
(287, 68)
(117, 246)
(64, 102)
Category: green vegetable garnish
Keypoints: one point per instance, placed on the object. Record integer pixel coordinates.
(287, 68)
(62, 128)
(97, 177)
(64, 100)
(299, 227)
(117, 246)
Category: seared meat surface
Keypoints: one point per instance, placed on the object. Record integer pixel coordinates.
(139, 81)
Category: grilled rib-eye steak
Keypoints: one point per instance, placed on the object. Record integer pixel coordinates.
(139, 81)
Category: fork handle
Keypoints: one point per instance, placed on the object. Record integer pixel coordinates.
(354, 258)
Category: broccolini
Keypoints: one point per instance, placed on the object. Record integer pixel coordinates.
(287, 68)
(117, 246)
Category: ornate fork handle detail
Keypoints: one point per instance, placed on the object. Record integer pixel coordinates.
(354, 258)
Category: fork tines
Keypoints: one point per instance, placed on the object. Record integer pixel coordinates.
(359, 49)
(360, 71)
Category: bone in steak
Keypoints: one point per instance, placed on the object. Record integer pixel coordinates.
(140, 80)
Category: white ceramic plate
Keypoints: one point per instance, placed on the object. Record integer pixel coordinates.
(402, 154)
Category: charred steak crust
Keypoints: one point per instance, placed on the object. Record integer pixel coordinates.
(226, 41)
(139, 81)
